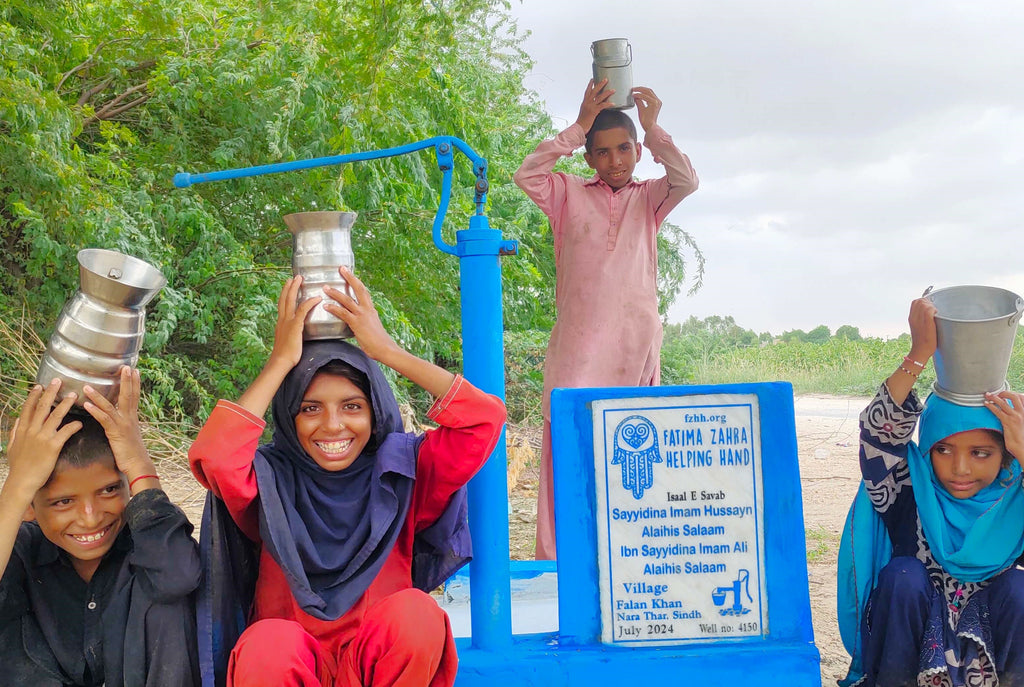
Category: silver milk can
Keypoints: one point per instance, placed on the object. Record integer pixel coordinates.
(322, 243)
(101, 328)
(613, 60)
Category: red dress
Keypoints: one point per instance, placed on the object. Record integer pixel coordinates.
(301, 649)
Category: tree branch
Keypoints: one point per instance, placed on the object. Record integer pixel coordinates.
(88, 60)
(114, 107)
(89, 93)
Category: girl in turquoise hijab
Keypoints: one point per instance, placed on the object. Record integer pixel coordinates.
(931, 571)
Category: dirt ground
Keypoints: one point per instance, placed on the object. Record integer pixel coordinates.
(826, 428)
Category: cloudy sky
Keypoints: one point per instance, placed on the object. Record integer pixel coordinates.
(850, 153)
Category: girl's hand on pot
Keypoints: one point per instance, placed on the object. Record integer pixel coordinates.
(923, 339)
(360, 315)
(1008, 406)
(291, 316)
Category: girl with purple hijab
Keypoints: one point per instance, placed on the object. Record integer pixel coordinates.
(353, 518)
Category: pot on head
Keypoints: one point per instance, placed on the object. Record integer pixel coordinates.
(101, 328)
(975, 328)
(322, 242)
(613, 60)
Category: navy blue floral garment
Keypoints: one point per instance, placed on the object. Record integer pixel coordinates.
(970, 633)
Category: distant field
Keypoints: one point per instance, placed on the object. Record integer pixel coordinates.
(717, 351)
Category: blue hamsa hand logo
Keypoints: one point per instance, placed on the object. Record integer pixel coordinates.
(636, 450)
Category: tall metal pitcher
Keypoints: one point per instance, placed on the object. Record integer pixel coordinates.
(322, 243)
(101, 328)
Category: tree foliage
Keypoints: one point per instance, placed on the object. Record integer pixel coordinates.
(102, 103)
(849, 332)
(694, 344)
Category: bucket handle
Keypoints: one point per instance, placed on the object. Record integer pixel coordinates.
(1015, 317)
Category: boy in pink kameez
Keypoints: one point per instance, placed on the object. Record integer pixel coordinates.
(608, 330)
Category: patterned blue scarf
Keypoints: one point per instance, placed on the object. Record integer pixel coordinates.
(972, 539)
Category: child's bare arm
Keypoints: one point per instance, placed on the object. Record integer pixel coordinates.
(121, 425)
(287, 349)
(35, 443)
(361, 315)
(922, 347)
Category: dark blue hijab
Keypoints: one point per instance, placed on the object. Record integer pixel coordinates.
(332, 531)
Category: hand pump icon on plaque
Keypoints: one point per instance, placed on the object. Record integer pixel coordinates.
(740, 584)
(636, 450)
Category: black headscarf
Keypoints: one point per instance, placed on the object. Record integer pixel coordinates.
(332, 531)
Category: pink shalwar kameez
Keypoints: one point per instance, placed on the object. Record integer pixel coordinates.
(608, 331)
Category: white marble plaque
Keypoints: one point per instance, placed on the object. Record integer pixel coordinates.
(679, 519)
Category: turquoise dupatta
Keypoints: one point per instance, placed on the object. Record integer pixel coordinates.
(972, 539)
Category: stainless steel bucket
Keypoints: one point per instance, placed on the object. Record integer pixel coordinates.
(322, 243)
(613, 60)
(101, 328)
(975, 326)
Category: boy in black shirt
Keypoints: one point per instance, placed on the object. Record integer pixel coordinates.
(98, 580)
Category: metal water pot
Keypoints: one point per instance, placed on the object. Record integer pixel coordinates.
(613, 60)
(975, 327)
(101, 328)
(322, 243)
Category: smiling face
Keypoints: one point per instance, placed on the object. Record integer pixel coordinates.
(613, 155)
(81, 510)
(335, 421)
(967, 462)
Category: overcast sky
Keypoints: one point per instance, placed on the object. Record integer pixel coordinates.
(850, 153)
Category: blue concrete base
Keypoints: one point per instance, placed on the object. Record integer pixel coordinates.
(538, 661)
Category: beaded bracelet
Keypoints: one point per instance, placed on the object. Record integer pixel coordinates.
(912, 374)
(908, 359)
(132, 483)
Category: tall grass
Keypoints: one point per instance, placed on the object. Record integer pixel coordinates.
(838, 366)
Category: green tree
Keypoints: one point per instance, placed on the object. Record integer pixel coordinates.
(694, 344)
(819, 335)
(793, 335)
(849, 332)
(102, 103)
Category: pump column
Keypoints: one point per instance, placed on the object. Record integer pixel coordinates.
(483, 360)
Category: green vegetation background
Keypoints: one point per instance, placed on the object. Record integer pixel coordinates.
(101, 103)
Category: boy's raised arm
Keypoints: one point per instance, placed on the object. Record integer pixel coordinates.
(121, 425)
(680, 179)
(35, 443)
(534, 176)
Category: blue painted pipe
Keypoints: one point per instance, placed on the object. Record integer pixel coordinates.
(483, 363)
(444, 147)
(483, 352)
